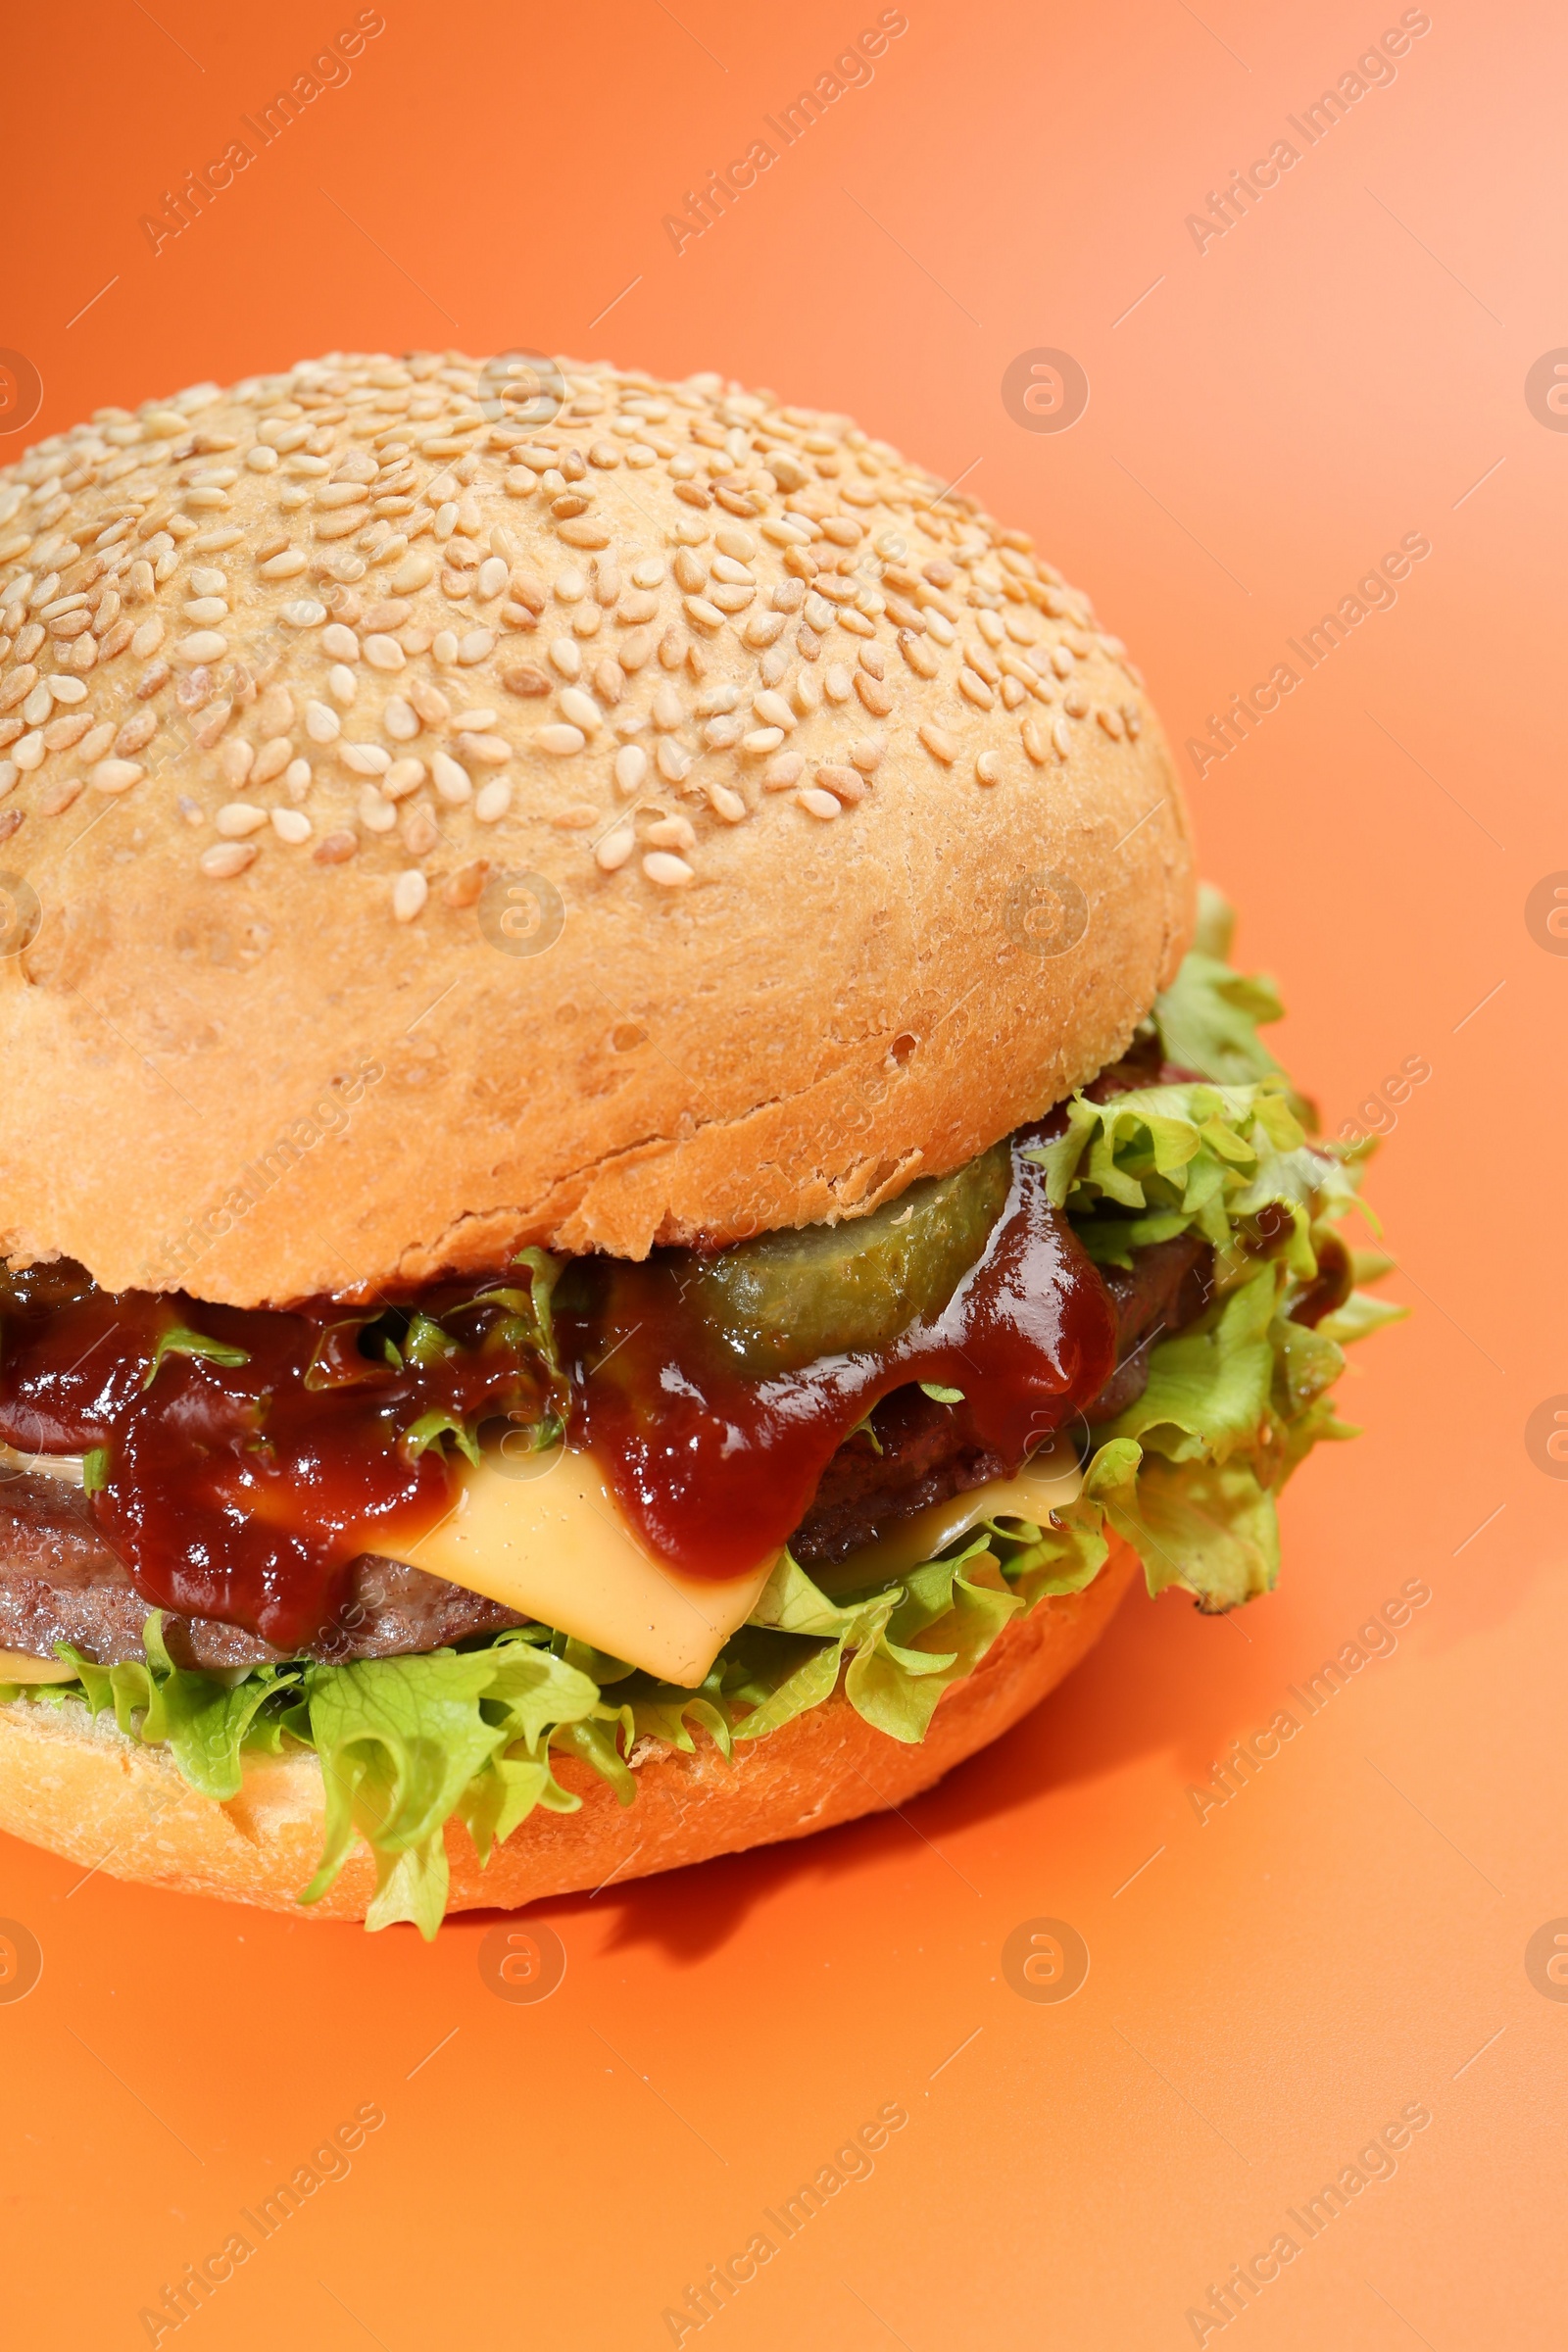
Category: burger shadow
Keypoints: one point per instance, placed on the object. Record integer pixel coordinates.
(1165, 1680)
(1126, 1699)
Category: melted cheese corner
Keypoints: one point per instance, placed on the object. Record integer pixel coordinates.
(553, 1544)
(1048, 1483)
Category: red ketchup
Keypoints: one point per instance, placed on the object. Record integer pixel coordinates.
(716, 1469)
(243, 1491)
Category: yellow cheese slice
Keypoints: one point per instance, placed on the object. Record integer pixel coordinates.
(554, 1545)
(17, 1666)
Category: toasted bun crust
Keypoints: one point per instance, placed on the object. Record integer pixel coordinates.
(82, 1790)
(853, 870)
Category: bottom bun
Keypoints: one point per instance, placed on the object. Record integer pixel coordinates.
(81, 1789)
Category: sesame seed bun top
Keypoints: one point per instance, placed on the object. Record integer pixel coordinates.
(447, 805)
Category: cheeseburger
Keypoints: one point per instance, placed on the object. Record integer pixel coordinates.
(634, 1183)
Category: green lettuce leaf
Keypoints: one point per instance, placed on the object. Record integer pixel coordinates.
(1188, 1475)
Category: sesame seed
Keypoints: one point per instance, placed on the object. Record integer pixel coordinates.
(236, 818)
(109, 775)
(672, 833)
(304, 613)
(493, 801)
(986, 768)
(450, 781)
(612, 851)
(761, 740)
(631, 768)
(667, 870)
(321, 722)
(365, 758)
(938, 743)
(268, 760)
(780, 774)
(375, 810)
(773, 711)
(843, 782)
(489, 750)
(559, 741)
(340, 643)
(226, 859)
(817, 802)
(409, 894)
(726, 803)
(403, 777)
(706, 617)
(235, 761)
(580, 708)
(1061, 739)
(1111, 721)
(673, 759)
(291, 825)
(421, 832)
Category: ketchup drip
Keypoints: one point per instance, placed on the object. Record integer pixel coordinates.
(716, 1469)
(243, 1490)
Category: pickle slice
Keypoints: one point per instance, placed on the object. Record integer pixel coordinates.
(785, 1299)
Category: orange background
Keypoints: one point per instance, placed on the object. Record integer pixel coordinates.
(1347, 1934)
